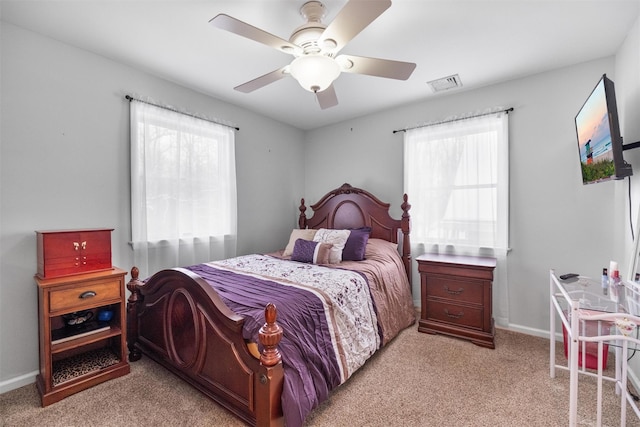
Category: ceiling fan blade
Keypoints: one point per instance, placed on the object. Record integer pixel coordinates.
(354, 17)
(243, 29)
(327, 98)
(262, 81)
(376, 67)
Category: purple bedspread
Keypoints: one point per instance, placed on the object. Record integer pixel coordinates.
(309, 361)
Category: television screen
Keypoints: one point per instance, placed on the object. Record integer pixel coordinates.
(599, 140)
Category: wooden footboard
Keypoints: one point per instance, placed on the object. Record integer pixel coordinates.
(177, 319)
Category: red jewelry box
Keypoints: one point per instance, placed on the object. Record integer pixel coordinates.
(67, 252)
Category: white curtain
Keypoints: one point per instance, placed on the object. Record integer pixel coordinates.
(457, 180)
(183, 189)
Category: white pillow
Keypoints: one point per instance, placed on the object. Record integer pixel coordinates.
(304, 234)
(337, 238)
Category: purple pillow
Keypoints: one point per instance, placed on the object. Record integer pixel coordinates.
(356, 244)
(311, 252)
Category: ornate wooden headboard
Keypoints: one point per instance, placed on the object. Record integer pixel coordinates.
(350, 207)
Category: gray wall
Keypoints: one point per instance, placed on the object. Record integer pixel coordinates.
(64, 163)
(628, 97)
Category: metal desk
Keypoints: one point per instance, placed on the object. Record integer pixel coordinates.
(590, 316)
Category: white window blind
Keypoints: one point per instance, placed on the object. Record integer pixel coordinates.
(183, 188)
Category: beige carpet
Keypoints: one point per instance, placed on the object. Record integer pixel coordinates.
(417, 380)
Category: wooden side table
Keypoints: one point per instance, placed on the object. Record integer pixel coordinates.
(74, 357)
(456, 297)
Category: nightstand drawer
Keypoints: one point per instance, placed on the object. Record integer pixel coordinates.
(471, 317)
(87, 295)
(458, 290)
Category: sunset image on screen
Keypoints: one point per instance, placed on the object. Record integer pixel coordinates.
(594, 138)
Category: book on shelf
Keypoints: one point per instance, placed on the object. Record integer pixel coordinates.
(67, 334)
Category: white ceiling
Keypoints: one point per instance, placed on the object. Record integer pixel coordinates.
(483, 41)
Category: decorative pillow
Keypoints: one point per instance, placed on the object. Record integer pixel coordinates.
(337, 238)
(356, 245)
(377, 248)
(304, 234)
(311, 252)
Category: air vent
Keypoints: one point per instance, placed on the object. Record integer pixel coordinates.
(445, 83)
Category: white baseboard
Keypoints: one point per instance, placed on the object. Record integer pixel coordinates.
(527, 330)
(17, 382)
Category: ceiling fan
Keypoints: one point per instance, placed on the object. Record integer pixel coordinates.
(315, 46)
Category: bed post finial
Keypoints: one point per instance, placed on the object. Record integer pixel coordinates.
(132, 314)
(302, 219)
(270, 335)
(405, 207)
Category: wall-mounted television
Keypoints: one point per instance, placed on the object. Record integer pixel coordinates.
(599, 141)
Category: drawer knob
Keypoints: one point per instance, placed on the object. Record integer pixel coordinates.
(84, 245)
(88, 294)
(453, 292)
(76, 245)
(452, 315)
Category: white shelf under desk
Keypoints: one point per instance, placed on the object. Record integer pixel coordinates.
(589, 318)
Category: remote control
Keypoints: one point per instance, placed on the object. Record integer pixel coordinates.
(568, 276)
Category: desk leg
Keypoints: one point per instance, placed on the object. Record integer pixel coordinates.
(621, 386)
(552, 330)
(618, 353)
(573, 368)
(599, 396)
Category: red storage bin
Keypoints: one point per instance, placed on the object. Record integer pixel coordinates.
(591, 348)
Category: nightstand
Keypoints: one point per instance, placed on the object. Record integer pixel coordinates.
(73, 355)
(456, 297)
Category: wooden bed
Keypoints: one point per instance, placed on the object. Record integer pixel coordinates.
(177, 318)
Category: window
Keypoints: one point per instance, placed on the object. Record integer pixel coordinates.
(183, 188)
(456, 175)
(457, 180)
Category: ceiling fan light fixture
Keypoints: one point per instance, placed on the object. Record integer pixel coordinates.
(315, 46)
(315, 73)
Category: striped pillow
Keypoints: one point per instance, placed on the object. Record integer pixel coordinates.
(311, 252)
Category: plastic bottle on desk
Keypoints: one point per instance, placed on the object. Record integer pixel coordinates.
(614, 286)
(605, 281)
